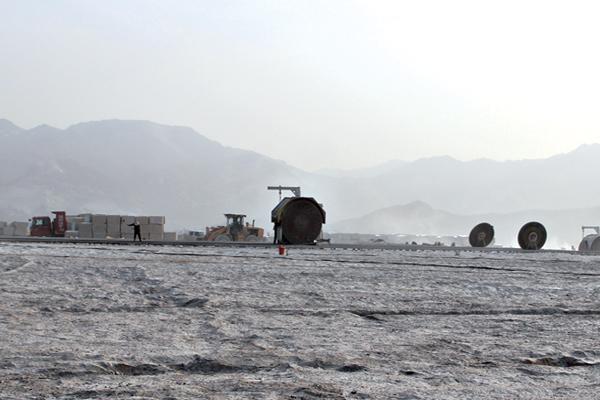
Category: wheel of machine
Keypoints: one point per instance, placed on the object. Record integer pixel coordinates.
(251, 238)
(481, 235)
(301, 222)
(223, 238)
(590, 243)
(532, 236)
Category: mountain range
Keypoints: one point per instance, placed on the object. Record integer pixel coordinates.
(140, 167)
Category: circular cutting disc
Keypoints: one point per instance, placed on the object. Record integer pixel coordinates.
(532, 236)
(301, 222)
(482, 235)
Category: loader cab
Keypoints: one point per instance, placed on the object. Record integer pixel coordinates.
(235, 224)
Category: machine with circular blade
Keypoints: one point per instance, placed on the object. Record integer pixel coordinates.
(481, 235)
(297, 220)
(532, 236)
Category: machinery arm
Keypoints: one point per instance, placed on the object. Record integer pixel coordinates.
(294, 189)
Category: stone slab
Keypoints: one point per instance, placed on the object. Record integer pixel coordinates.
(98, 219)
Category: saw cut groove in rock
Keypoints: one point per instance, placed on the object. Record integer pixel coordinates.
(201, 365)
(560, 361)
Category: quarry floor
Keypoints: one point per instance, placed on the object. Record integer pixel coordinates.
(152, 322)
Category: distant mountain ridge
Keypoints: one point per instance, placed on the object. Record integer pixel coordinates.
(559, 182)
(122, 166)
(130, 167)
(368, 172)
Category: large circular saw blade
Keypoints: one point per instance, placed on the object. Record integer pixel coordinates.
(301, 222)
(481, 235)
(532, 236)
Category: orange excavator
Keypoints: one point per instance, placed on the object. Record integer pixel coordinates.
(235, 230)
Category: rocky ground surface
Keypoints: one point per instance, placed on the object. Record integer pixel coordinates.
(144, 322)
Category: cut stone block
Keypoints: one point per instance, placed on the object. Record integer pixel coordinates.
(127, 219)
(156, 220)
(170, 236)
(113, 227)
(113, 220)
(74, 221)
(85, 226)
(98, 219)
(19, 228)
(20, 232)
(154, 228)
(87, 217)
(99, 229)
(155, 236)
(142, 220)
(7, 230)
(85, 230)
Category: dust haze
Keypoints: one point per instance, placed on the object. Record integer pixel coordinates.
(405, 124)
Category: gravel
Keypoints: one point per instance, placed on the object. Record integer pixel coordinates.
(141, 322)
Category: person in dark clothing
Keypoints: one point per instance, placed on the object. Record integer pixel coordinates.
(136, 231)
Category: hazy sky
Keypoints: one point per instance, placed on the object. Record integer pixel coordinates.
(316, 83)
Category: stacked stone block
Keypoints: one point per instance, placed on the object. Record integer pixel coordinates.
(14, 228)
(170, 236)
(20, 228)
(85, 230)
(113, 226)
(126, 230)
(100, 226)
(155, 228)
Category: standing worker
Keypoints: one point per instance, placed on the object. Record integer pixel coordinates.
(136, 231)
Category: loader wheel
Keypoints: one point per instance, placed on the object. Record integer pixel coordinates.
(532, 236)
(251, 238)
(482, 235)
(223, 238)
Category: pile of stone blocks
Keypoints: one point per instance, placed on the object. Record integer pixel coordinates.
(14, 228)
(4, 228)
(73, 222)
(154, 230)
(113, 226)
(170, 236)
(151, 228)
(101, 226)
(79, 226)
(126, 230)
(20, 228)
(84, 230)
